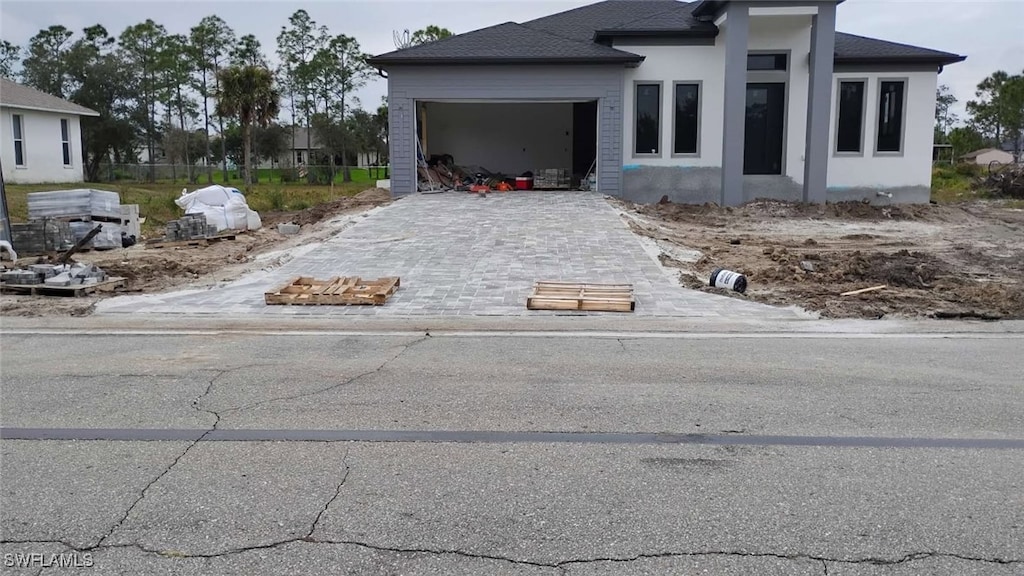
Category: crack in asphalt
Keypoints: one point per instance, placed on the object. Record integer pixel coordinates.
(145, 489)
(337, 493)
(404, 348)
(623, 344)
(561, 565)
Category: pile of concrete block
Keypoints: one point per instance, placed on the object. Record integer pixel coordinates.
(80, 274)
(77, 211)
(189, 227)
(41, 236)
(83, 203)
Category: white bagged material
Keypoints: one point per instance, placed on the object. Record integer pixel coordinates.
(225, 208)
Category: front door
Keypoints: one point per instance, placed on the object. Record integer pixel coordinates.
(766, 120)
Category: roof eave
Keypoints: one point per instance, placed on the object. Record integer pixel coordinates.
(936, 60)
(383, 63)
(613, 33)
(84, 112)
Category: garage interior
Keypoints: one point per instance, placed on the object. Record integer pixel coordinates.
(506, 145)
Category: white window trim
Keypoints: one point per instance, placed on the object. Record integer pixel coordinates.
(71, 150)
(24, 149)
(903, 123)
(863, 118)
(661, 117)
(700, 119)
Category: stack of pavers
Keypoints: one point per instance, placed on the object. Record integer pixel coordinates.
(550, 178)
(42, 236)
(80, 274)
(81, 209)
(189, 227)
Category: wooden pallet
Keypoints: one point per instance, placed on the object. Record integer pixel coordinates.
(574, 296)
(190, 242)
(340, 290)
(108, 285)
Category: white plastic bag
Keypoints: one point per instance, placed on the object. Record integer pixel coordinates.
(224, 208)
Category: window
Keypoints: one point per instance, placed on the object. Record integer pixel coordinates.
(687, 119)
(850, 126)
(766, 62)
(890, 116)
(648, 119)
(65, 140)
(17, 121)
(298, 157)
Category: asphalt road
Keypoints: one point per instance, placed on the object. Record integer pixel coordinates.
(499, 454)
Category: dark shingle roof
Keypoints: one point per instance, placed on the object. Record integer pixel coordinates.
(569, 37)
(853, 49)
(507, 43)
(581, 23)
(14, 95)
(678, 21)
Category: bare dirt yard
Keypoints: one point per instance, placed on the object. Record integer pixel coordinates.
(150, 270)
(940, 261)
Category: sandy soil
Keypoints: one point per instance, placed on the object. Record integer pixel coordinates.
(942, 261)
(150, 270)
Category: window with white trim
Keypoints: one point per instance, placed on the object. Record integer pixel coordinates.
(18, 126)
(65, 140)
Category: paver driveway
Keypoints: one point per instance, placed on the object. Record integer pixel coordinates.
(460, 254)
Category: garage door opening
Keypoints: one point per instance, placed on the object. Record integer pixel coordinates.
(554, 143)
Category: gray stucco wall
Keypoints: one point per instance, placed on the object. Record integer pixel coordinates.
(407, 84)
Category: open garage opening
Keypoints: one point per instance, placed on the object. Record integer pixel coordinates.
(553, 142)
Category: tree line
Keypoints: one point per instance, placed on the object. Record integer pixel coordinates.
(994, 117)
(210, 97)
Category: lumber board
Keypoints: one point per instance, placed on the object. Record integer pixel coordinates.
(338, 291)
(864, 290)
(108, 285)
(582, 296)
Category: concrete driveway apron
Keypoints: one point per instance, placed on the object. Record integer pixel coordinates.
(461, 254)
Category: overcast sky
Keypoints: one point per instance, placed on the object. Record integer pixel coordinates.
(989, 32)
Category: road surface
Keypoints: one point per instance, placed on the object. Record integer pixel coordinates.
(601, 454)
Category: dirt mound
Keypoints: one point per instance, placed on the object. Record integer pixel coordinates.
(327, 210)
(374, 195)
(712, 214)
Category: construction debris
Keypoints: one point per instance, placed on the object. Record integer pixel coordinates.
(864, 290)
(1005, 180)
(588, 297)
(339, 290)
(57, 280)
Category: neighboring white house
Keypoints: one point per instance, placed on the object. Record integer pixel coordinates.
(41, 136)
(711, 101)
(987, 156)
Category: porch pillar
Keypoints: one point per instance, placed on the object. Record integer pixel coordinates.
(819, 103)
(737, 33)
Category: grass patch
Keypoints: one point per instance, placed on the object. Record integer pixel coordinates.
(952, 184)
(156, 201)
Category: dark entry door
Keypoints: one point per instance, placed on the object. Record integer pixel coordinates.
(766, 120)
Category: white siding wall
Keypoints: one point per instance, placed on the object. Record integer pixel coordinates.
(502, 137)
(706, 64)
(670, 64)
(911, 169)
(44, 160)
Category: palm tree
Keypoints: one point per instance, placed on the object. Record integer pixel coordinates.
(249, 94)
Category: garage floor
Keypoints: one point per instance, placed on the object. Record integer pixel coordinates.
(460, 254)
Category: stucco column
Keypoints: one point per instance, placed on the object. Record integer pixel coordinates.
(737, 33)
(819, 103)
